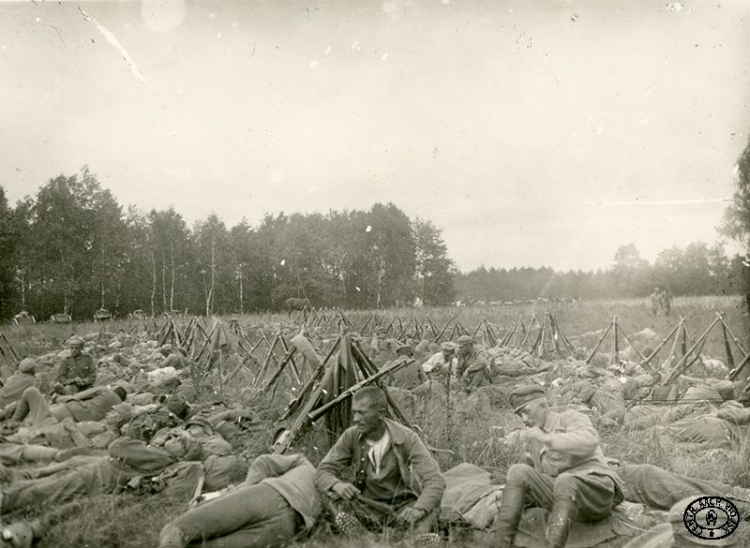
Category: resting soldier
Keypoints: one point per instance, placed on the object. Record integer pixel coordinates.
(390, 462)
(275, 503)
(570, 476)
(474, 366)
(76, 372)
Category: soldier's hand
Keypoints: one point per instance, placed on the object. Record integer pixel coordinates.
(346, 490)
(536, 433)
(411, 515)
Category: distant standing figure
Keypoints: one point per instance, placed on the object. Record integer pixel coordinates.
(655, 301)
(666, 301)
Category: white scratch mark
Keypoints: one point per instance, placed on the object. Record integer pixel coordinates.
(644, 121)
(384, 57)
(649, 90)
(599, 130)
(112, 39)
(355, 46)
(675, 7)
(283, 262)
(357, 288)
(218, 35)
(736, 169)
(328, 50)
(368, 229)
(212, 15)
(313, 63)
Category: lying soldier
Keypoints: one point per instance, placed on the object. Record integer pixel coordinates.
(276, 502)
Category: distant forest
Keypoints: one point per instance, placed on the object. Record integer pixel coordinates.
(72, 247)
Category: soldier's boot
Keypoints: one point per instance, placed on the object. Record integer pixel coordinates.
(560, 521)
(509, 515)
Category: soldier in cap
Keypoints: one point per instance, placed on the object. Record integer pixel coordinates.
(442, 363)
(474, 366)
(76, 372)
(570, 476)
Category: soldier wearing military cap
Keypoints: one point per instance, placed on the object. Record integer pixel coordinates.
(77, 372)
(474, 367)
(570, 476)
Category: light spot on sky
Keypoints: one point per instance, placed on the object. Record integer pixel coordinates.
(276, 176)
(313, 63)
(218, 35)
(644, 121)
(355, 46)
(328, 50)
(180, 90)
(675, 7)
(384, 57)
(163, 16)
(38, 20)
(599, 130)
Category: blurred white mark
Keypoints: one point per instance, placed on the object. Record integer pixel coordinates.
(312, 188)
(234, 24)
(575, 134)
(675, 7)
(112, 39)
(649, 90)
(313, 64)
(736, 169)
(37, 19)
(644, 121)
(218, 35)
(589, 119)
(160, 16)
(384, 57)
(355, 46)
(180, 90)
(276, 176)
(445, 2)
(212, 15)
(327, 51)
(283, 262)
(368, 229)
(357, 288)
(546, 58)
(599, 130)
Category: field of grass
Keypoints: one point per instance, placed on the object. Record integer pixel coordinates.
(469, 432)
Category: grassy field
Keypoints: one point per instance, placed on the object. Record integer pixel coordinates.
(465, 429)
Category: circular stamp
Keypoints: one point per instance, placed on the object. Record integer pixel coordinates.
(711, 518)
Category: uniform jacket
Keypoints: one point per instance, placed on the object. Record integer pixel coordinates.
(419, 470)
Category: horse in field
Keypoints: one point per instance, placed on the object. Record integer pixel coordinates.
(296, 304)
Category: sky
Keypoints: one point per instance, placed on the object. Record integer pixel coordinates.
(531, 132)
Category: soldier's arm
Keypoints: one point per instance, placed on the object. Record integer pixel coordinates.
(337, 459)
(579, 439)
(272, 466)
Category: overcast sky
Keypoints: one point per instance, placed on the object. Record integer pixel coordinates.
(532, 132)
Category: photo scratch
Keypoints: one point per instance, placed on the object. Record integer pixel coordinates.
(112, 39)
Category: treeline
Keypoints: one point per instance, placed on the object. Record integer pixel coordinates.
(695, 270)
(74, 247)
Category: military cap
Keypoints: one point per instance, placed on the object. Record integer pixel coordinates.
(447, 346)
(465, 339)
(27, 365)
(404, 348)
(177, 405)
(524, 394)
(76, 341)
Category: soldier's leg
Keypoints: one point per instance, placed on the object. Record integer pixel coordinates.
(524, 485)
(582, 498)
(32, 406)
(254, 515)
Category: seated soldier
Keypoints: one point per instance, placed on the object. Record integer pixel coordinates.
(76, 372)
(276, 502)
(397, 482)
(474, 366)
(569, 476)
